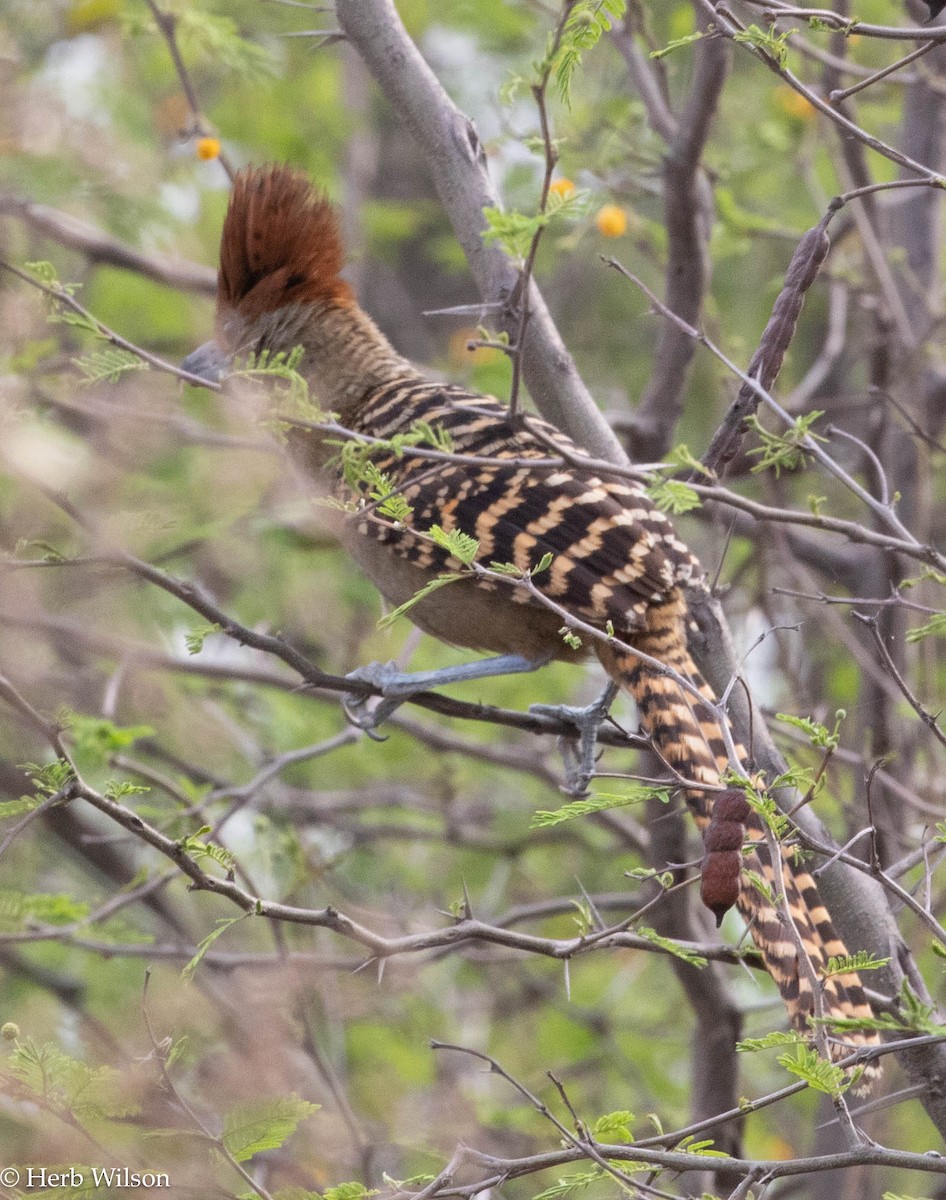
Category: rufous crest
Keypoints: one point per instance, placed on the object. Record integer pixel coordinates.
(281, 244)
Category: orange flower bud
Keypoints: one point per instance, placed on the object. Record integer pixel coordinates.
(794, 104)
(611, 221)
(563, 188)
(459, 350)
(207, 148)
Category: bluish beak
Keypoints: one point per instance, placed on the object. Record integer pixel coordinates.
(208, 362)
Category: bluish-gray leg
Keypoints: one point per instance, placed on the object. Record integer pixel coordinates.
(580, 758)
(397, 686)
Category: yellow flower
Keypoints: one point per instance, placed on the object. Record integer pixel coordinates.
(794, 104)
(562, 188)
(207, 148)
(461, 354)
(611, 221)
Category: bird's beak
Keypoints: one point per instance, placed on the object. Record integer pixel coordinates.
(208, 362)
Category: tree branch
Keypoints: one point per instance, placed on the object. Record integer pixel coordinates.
(454, 156)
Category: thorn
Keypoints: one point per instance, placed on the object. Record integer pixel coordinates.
(599, 921)
(462, 310)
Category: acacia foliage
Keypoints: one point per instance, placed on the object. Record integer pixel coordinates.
(257, 791)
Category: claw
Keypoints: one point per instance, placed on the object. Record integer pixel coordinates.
(580, 758)
(355, 706)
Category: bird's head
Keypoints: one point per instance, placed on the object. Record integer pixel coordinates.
(280, 256)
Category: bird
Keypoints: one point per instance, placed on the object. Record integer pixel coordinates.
(526, 534)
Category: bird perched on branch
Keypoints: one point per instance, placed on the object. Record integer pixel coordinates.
(454, 487)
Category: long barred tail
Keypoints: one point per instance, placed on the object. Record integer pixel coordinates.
(688, 735)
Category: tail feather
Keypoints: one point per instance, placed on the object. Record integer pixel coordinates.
(790, 925)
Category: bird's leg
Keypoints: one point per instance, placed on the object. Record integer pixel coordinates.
(579, 753)
(397, 686)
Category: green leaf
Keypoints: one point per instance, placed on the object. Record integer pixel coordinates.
(770, 812)
(97, 737)
(108, 366)
(18, 808)
(927, 573)
(18, 909)
(57, 310)
(603, 802)
(817, 1072)
(441, 581)
(916, 1014)
(935, 627)
(384, 494)
(570, 638)
(205, 943)
(569, 1184)
(771, 43)
(46, 273)
(509, 90)
(194, 641)
(217, 40)
(457, 543)
(705, 1147)
(751, 1045)
(614, 1127)
(396, 508)
(513, 231)
(673, 496)
(198, 849)
(672, 947)
(663, 879)
(743, 220)
(118, 789)
(412, 1181)
(435, 436)
(760, 885)
(71, 1088)
(587, 22)
(677, 44)
(280, 368)
(800, 778)
(682, 456)
(861, 961)
(348, 1191)
(783, 451)
(819, 735)
(261, 1125)
(50, 553)
(49, 778)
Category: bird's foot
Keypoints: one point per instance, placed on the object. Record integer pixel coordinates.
(397, 686)
(579, 752)
(359, 707)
